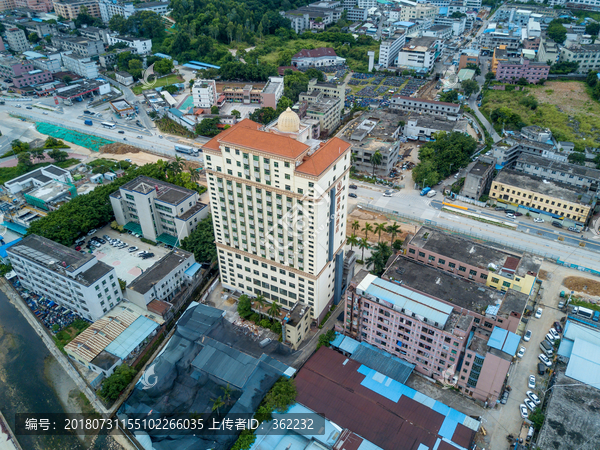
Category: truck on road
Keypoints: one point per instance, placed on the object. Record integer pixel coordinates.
(425, 191)
(88, 122)
(187, 150)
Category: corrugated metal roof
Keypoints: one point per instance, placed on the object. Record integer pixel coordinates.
(349, 345)
(584, 364)
(404, 298)
(191, 271)
(383, 362)
(504, 340)
(133, 336)
(101, 333)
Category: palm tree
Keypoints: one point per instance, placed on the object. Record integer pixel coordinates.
(227, 392)
(355, 226)
(379, 256)
(363, 244)
(368, 227)
(352, 241)
(194, 176)
(261, 303)
(376, 159)
(379, 228)
(177, 165)
(217, 403)
(274, 310)
(393, 230)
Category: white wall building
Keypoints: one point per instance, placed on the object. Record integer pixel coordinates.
(142, 46)
(204, 93)
(389, 48)
(16, 40)
(82, 66)
(279, 207)
(162, 211)
(75, 280)
(38, 178)
(419, 53)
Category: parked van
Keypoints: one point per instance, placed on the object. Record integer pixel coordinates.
(547, 348)
(596, 317)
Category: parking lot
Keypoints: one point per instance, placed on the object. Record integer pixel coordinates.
(245, 110)
(127, 264)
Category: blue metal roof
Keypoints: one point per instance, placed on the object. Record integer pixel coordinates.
(211, 66)
(443, 11)
(193, 269)
(194, 66)
(403, 298)
(574, 331)
(584, 363)
(504, 340)
(5, 247)
(20, 229)
(383, 362)
(162, 55)
(133, 336)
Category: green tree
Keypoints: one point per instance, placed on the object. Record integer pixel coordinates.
(537, 418)
(355, 226)
(214, 109)
(263, 115)
(592, 28)
(393, 231)
(474, 67)
(425, 173)
(352, 240)
(592, 78)
(522, 81)
(163, 66)
(117, 382)
(38, 154)
(33, 38)
(380, 228)
(201, 241)
(274, 310)
(236, 113)
(135, 68)
(244, 306)
(363, 244)
(67, 79)
(470, 87)
(281, 396)
(58, 155)
(577, 158)
(556, 31)
(450, 96)
(489, 76)
(368, 227)
(208, 127)
(380, 254)
(227, 391)
(24, 159)
(217, 403)
(376, 160)
(261, 301)
(325, 339)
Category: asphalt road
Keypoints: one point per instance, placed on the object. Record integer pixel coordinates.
(539, 238)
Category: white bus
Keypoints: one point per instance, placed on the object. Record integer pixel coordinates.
(185, 149)
(584, 312)
(108, 125)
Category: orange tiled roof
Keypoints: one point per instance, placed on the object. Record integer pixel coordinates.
(246, 134)
(325, 156)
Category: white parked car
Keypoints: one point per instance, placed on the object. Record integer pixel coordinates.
(538, 313)
(510, 216)
(531, 382)
(534, 398)
(543, 358)
(387, 193)
(521, 352)
(550, 338)
(529, 404)
(538, 220)
(524, 413)
(554, 333)
(527, 336)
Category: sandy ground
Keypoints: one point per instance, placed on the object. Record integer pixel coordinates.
(583, 286)
(569, 96)
(365, 217)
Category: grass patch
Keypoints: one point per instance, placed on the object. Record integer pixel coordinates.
(292, 46)
(160, 82)
(575, 119)
(8, 173)
(65, 336)
(577, 302)
(169, 126)
(103, 165)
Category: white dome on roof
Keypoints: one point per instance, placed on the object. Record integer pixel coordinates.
(288, 122)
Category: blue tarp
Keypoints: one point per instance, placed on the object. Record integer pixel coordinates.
(5, 247)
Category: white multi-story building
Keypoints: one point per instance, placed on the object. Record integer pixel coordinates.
(424, 106)
(204, 93)
(82, 66)
(279, 205)
(161, 211)
(75, 280)
(458, 24)
(142, 46)
(419, 53)
(16, 40)
(588, 56)
(110, 8)
(389, 48)
(419, 11)
(366, 4)
(356, 14)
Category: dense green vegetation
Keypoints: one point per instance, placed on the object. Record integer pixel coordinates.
(556, 31)
(439, 159)
(201, 242)
(117, 382)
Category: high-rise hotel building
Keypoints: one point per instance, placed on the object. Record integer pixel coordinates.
(279, 205)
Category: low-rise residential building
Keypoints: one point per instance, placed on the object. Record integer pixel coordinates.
(495, 39)
(477, 262)
(508, 150)
(81, 65)
(42, 29)
(272, 92)
(331, 90)
(587, 56)
(441, 32)
(419, 54)
(204, 93)
(324, 109)
(479, 178)
(69, 9)
(424, 106)
(95, 33)
(75, 280)
(566, 173)
(16, 40)
(38, 178)
(500, 55)
(537, 134)
(81, 46)
(543, 196)
(13, 67)
(246, 95)
(389, 49)
(378, 131)
(124, 78)
(319, 57)
(531, 71)
(161, 212)
(39, 6)
(110, 8)
(306, 17)
(418, 11)
(423, 127)
(162, 281)
(548, 51)
(458, 24)
(142, 46)
(32, 77)
(357, 14)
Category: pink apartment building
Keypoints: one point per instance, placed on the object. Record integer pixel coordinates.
(33, 77)
(531, 71)
(440, 322)
(36, 5)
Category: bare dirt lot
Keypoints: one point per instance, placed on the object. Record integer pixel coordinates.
(568, 96)
(582, 285)
(363, 217)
